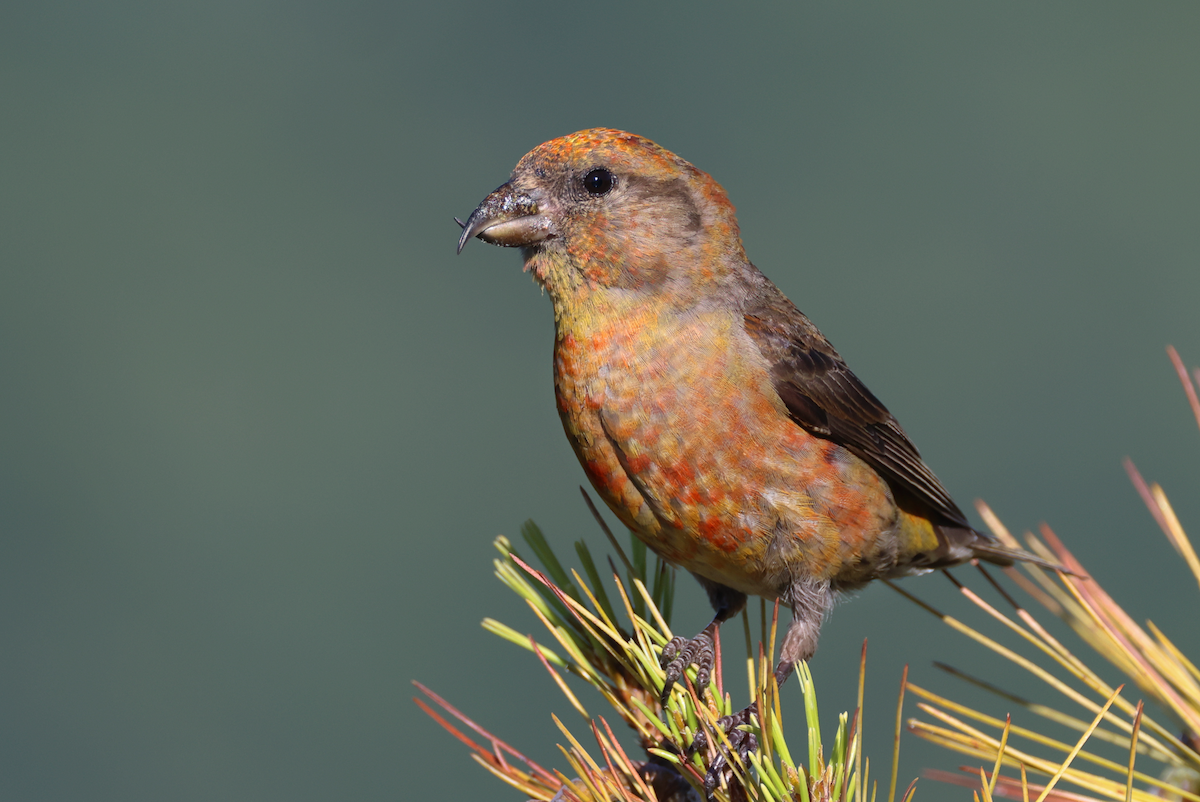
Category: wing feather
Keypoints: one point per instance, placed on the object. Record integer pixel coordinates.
(826, 398)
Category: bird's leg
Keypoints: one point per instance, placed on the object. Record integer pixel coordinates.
(680, 653)
(809, 602)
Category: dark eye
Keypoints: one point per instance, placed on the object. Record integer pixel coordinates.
(599, 181)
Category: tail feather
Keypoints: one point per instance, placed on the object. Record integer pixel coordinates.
(972, 544)
(987, 549)
(929, 546)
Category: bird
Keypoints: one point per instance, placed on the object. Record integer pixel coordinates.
(708, 412)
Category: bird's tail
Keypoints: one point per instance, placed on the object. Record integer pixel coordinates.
(970, 544)
(928, 546)
(987, 549)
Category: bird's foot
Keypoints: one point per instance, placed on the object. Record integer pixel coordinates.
(741, 741)
(681, 653)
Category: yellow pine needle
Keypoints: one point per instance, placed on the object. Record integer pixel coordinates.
(1077, 666)
(558, 680)
(862, 680)
(971, 741)
(1191, 718)
(1137, 725)
(1037, 629)
(1130, 642)
(507, 574)
(653, 608)
(751, 672)
(1176, 535)
(643, 726)
(1024, 785)
(641, 663)
(974, 747)
(991, 788)
(1179, 539)
(568, 785)
(561, 634)
(1067, 609)
(1152, 502)
(764, 703)
(1174, 651)
(990, 721)
(1037, 737)
(1155, 749)
(607, 753)
(594, 780)
(530, 789)
(597, 583)
(594, 625)
(968, 735)
(511, 635)
(1006, 653)
(625, 762)
(1090, 677)
(762, 621)
(652, 634)
(995, 526)
(1042, 597)
(1090, 615)
(602, 619)
(896, 742)
(638, 634)
(1169, 669)
(578, 748)
(586, 628)
(1069, 663)
(1078, 746)
(948, 739)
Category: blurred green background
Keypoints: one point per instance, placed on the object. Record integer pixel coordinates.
(261, 424)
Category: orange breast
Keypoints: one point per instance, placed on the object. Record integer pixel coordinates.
(676, 423)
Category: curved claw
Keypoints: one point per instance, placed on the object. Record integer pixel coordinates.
(742, 742)
(680, 653)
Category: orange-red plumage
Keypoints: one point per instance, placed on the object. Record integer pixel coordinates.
(711, 416)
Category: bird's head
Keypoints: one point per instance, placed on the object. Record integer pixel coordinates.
(604, 208)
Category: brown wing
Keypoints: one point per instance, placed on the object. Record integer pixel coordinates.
(826, 398)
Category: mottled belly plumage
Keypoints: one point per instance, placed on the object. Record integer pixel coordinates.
(723, 484)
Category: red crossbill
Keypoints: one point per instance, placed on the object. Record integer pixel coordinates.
(708, 412)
